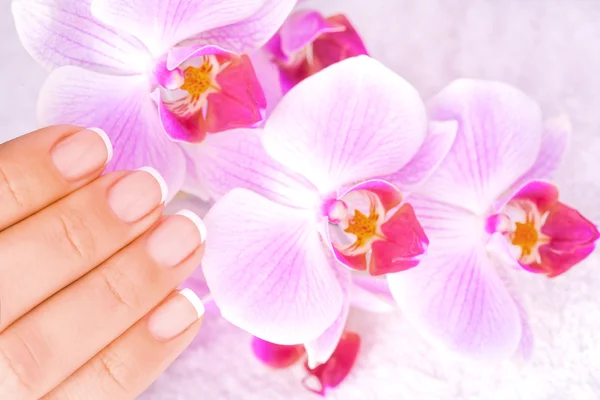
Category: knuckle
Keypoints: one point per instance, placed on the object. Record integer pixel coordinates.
(19, 370)
(9, 191)
(121, 290)
(75, 235)
(113, 367)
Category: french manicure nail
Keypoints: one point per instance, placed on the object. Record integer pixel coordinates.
(175, 315)
(82, 153)
(176, 238)
(137, 194)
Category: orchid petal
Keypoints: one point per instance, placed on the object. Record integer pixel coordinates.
(267, 269)
(120, 105)
(251, 33)
(63, 32)
(276, 355)
(568, 228)
(388, 194)
(321, 349)
(456, 299)
(361, 121)
(555, 142)
(178, 55)
(302, 28)
(405, 243)
(543, 194)
(268, 76)
(371, 294)
(240, 101)
(438, 142)
(498, 140)
(555, 263)
(165, 23)
(237, 159)
(331, 374)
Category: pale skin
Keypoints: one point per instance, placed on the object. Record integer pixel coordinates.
(89, 271)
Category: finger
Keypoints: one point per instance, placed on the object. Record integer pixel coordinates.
(43, 166)
(49, 250)
(126, 367)
(56, 338)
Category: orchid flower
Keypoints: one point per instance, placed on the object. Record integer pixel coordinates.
(307, 206)
(488, 210)
(308, 42)
(138, 69)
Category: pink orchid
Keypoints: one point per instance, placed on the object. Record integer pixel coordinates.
(484, 209)
(306, 190)
(138, 69)
(308, 42)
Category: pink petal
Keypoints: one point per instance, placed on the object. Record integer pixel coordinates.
(237, 159)
(438, 142)
(268, 76)
(371, 294)
(568, 228)
(320, 350)
(251, 33)
(276, 355)
(498, 140)
(177, 55)
(331, 374)
(353, 121)
(555, 142)
(240, 101)
(543, 194)
(457, 300)
(316, 44)
(333, 47)
(188, 130)
(267, 269)
(405, 243)
(120, 105)
(555, 263)
(302, 28)
(163, 24)
(388, 194)
(63, 32)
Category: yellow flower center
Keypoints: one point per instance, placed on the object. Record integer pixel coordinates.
(197, 80)
(363, 227)
(525, 236)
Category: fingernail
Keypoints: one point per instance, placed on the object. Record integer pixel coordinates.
(175, 315)
(137, 194)
(176, 238)
(82, 153)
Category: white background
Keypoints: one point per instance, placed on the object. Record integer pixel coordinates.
(548, 48)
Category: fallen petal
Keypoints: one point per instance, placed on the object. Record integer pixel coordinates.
(276, 355)
(336, 369)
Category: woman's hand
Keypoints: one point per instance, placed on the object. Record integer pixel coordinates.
(88, 271)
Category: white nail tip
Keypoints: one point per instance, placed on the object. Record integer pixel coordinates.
(194, 300)
(106, 140)
(197, 221)
(161, 181)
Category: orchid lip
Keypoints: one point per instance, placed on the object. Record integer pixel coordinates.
(371, 230)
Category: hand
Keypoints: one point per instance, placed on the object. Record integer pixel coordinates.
(88, 269)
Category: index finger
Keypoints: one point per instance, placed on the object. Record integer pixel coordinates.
(44, 166)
